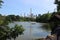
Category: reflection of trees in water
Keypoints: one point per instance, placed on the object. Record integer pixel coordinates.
(47, 27)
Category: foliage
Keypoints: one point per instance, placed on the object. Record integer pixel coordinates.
(3, 21)
(8, 33)
(1, 3)
(43, 18)
(11, 18)
(47, 27)
(17, 30)
(3, 32)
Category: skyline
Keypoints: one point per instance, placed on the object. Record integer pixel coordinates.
(19, 7)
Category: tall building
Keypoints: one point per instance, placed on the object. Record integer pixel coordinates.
(31, 14)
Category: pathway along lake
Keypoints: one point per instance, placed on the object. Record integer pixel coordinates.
(33, 30)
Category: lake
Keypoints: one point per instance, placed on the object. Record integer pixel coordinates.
(33, 30)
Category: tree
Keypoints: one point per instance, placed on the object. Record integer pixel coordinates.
(3, 32)
(43, 18)
(18, 18)
(17, 30)
(11, 18)
(3, 28)
(0, 14)
(38, 18)
(1, 3)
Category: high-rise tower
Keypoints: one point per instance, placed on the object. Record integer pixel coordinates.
(31, 14)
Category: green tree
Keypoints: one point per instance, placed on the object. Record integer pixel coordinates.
(38, 18)
(3, 28)
(3, 32)
(12, 18)
(18, 18)
(43, 18)
(17, 30)
(1, 3)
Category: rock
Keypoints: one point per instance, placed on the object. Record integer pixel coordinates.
(51, 37)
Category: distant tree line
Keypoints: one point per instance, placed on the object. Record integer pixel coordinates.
(39, 18)
(11, 18)
(43, 18)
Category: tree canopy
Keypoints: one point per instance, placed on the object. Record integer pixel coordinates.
(1, 3)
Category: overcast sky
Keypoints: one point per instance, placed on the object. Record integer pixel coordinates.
(19, 7)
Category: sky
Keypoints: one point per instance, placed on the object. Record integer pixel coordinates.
(19, 7)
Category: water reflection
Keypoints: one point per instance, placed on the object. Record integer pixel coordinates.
(36, 31)
(46, 27)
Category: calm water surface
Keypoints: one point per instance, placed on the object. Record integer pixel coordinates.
(32, 31)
